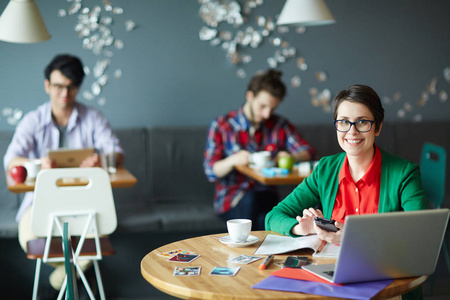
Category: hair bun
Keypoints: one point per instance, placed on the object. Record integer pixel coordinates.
(274, 73)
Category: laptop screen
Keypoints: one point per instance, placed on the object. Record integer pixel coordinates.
(390, 245)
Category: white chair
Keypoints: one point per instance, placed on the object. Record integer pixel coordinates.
(89, 210)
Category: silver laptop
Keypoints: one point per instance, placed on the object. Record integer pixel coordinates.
(387, 245)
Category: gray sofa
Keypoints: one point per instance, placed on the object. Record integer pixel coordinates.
(172, 192)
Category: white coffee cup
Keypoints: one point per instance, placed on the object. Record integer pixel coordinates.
(260, 159)
(33, 167)
(304, 168)
(239, 229)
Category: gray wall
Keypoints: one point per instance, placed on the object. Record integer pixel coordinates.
(171, 78)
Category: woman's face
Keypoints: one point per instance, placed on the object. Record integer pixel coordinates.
(355, 143)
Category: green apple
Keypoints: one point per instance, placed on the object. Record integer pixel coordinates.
(286, 162)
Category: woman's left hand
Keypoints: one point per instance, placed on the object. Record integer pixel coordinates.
(328, 236)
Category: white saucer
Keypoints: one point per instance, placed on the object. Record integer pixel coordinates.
(228, 241)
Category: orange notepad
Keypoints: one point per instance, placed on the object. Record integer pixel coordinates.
(300, 275)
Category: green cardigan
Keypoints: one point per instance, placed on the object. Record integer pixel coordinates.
(400, 189)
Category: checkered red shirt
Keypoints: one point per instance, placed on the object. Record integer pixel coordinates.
(229, 134)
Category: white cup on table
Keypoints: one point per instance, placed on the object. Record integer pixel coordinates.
(304, 168)
(239, 229)
(33, 167)
(260, 159)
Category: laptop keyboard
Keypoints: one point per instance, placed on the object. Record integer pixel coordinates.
(330, 273)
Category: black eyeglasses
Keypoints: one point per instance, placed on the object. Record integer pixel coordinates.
(60, 87)
(360, 126)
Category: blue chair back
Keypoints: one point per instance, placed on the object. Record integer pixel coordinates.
(432, 168)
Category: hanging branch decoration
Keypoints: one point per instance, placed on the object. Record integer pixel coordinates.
(242, 38)
(216, 14)
(94, 27)
(430, 93)
(12, 115)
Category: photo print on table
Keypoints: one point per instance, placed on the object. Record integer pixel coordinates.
(184, 258)
(187, 271)
(224, 271)
(172, 253)
(244, 259)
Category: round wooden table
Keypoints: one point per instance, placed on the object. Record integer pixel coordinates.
(158, 271)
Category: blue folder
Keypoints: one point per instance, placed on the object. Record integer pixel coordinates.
(362, 290)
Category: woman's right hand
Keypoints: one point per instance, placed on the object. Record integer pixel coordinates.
(305, 224)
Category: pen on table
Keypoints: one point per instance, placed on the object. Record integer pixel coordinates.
(321, 246)
(266, 262)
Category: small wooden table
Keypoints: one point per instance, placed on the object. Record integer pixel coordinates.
(292, 178)
(159, 272)
(121, 179)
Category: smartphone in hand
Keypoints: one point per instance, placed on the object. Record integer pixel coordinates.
(326, 224)
(296, 262)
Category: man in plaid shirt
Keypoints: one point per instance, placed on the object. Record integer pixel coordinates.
(233, 137)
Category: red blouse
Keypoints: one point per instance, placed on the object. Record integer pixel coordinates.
(361, 197)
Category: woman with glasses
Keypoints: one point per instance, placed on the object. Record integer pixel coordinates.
(363, 179)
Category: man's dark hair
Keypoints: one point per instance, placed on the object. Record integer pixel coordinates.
(361, 94)
(70, 66)
(270, 82)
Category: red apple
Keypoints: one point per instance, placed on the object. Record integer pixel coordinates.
(19, 174)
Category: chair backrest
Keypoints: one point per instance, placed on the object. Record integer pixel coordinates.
(51, 198)
(432, 168)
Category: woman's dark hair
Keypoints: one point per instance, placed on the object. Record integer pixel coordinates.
(70, 66)
(361, 94)
(270, 81)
